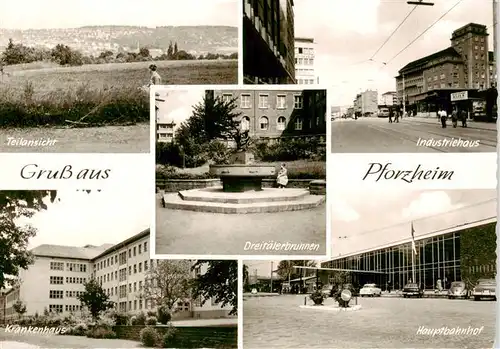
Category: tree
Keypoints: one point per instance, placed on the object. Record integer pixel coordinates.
(144, 52)
(170, 51)
(246, 278)
(95, 298)
(219, 282)
(14, 204)
(176, 49)
(217, 119)
(19, 307)
(286, 269)
(167, 283)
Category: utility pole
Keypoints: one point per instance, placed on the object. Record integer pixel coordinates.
(271, 277)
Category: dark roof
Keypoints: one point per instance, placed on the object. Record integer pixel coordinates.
(130, 240)
(73, 252)
(450, 51)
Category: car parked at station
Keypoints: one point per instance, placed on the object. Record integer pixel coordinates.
(412, 290)
(370, 290)
(485, 289)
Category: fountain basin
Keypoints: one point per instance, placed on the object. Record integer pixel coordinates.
(242, 177)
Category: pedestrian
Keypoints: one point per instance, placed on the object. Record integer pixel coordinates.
(155, 77)
(454, 117)
(391, 113)
(443, 116)
(463, 117)
(396, 117)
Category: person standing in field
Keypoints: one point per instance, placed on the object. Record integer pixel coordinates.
(155, 77)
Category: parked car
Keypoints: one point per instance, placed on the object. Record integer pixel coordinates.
(327, 290)
(412, 290)
(370, 290)
(458, 289)
(485, 288)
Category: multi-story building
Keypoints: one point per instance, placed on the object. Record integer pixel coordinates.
(165, 131)
(271, 114)
(366, 103)
(268, 42)
(304, 62)
(441, 254)
(467, 65)
(389, 99)
(57, 277)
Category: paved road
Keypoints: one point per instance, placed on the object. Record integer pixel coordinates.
(198, 233)
(279, 322)
(376, 135)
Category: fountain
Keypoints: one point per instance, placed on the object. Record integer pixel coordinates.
(243, 174)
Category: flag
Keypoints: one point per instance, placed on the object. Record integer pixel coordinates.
(413, 246)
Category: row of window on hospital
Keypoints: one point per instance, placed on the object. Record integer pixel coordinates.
(282, 102)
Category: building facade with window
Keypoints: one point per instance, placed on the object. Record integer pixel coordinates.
(305, 74)
(165, 131)
(366, 103)
(271, 114)
(268, 42)
(389, 99)
(57, 278)
(464, 251)
(467, 65)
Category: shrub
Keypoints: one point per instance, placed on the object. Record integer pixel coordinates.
(166, 173)
(149, 337)
(317, 297)
(151, 320)
(101, 332)
(151, 313)
(138, 320)
(121, 319)
(164, 315)
(170, 337)
(78, 330)
(291, 149)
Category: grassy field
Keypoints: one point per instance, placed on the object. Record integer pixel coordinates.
(47, 78)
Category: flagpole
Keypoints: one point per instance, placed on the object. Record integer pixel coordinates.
(413, 253)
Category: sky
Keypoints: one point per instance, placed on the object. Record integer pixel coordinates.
(348, 33)
(36, 14)
(359, 223)
(96, 218)
(178, 105)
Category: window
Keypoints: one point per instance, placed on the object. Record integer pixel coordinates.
(226, 97)
(301, 50)
(55, 308)
(123, 291)
(56, 294)
(245, 123)
(129, 288)
(245, 101)
(130, 270)
(281, 123)
(140, 249)
(56, 280)
(298, 102)
(281, 101)
(298, 124)
(264, 123)
(123, 274)
(129, 253)
(263, 101)
(135, 251)
(135, 268)
(56, 266)
(145, 265)
(140, 267)
(123, 258)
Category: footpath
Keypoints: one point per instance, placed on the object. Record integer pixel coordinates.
(479, 125)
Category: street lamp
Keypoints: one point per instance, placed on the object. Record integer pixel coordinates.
(420, 2)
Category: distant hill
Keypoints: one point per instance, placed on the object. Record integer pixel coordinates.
(90, 39)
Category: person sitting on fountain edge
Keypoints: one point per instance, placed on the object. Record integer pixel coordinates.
(282, 178)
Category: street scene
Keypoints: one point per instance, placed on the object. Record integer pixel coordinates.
(410, 135)
(410, 269)
(101, 288)
(424, 80)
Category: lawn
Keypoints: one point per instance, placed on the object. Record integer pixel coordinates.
(47, 78)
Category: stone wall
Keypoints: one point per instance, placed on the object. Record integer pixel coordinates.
(175, 185)
(292, 183)
(317, 187)
(189, 337)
